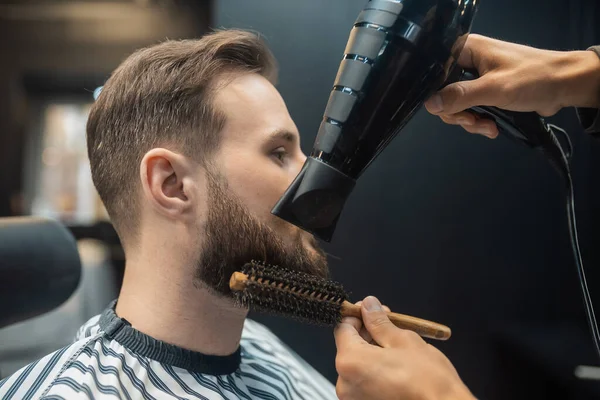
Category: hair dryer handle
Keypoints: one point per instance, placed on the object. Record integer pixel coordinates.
(526, 127)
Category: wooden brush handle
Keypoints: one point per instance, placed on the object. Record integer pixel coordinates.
(424, 328)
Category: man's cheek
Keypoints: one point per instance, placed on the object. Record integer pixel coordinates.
(288, 232)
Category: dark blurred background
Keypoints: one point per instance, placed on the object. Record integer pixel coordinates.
(444, 225)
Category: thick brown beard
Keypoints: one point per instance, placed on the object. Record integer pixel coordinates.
(234, 237)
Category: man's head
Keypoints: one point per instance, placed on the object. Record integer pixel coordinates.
(190, 146)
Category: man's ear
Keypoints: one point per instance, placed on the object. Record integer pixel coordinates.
(166, 182)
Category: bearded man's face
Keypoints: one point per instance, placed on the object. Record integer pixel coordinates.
(258, 157)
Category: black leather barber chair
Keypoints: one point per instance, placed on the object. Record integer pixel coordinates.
(39, 267)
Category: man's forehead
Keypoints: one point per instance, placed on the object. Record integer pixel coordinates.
(252, 104)
(247, 93)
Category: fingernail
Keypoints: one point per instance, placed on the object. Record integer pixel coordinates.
(372, 304)
(435, 104)
(464, 121)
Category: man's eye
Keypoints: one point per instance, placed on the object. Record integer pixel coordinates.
(280, 154)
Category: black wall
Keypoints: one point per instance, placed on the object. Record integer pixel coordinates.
(453, 227)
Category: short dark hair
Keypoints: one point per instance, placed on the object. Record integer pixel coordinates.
(162, 96)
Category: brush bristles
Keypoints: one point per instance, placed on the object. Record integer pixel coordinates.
(293, 294)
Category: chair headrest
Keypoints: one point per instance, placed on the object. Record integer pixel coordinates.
(39, 267)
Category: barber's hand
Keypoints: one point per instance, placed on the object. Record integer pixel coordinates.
(518, 78)
(400, 365)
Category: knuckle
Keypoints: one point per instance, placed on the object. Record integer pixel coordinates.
(410, 337)
(434, 351)
(339, 385)
(453, 97)
(340, 364)
(436, 354)
(475, 37)
(508, 86)
(341, 391)
(346, 366)
(460, 90)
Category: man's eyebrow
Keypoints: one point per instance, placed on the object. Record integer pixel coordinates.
(282, 134)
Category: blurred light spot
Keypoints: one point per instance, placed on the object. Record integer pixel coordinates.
(51, 156)
(587, 372)
(97, 92)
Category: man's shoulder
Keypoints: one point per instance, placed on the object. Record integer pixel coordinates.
(35, 379)
(260, 345)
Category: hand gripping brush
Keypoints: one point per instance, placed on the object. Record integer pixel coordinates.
(310, 299)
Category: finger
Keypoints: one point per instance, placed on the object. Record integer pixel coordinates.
(364, 333)
(483, 127)
(460, 96)
(347, 335)
(377, 322)
(472, 123)
(355, 322)
(465, 59)
(386, 308)
(461, 118)
(470, 56)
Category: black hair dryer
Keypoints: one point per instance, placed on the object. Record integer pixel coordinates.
(399, 53)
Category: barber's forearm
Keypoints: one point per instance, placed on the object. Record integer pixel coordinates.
(578, 75)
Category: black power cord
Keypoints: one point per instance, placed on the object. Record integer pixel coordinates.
(587, 300)
(564, 167)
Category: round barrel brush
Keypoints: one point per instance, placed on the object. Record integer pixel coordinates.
(310, 299)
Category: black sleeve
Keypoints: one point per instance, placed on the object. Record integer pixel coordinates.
(590, 117)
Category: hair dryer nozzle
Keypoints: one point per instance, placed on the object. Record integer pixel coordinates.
(397, 55)
(315, 198)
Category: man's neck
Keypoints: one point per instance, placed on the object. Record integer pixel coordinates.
(169, 307)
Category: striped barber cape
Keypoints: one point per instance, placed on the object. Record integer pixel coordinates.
(112, 360)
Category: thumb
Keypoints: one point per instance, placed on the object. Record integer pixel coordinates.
(377, 322)
(460, 96)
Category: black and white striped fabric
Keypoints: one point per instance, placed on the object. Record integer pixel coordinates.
(111, 360)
